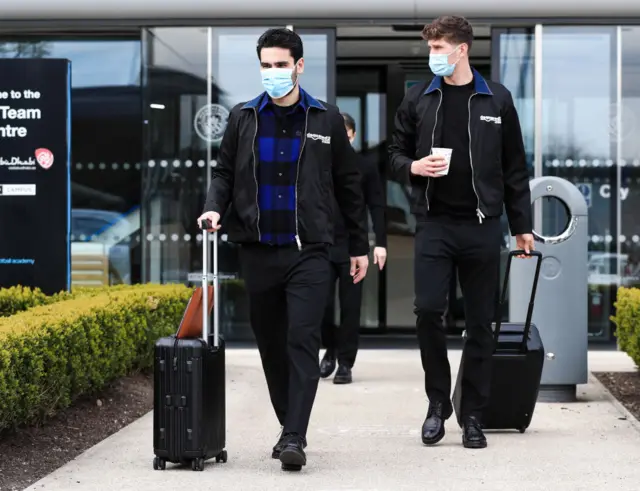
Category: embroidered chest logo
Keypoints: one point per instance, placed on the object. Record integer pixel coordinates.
(491, 119)
(324, 139)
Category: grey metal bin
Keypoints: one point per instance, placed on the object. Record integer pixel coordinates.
(560, 311)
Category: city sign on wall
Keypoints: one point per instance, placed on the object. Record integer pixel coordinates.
(35, 190)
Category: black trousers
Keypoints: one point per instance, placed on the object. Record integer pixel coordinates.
(342, 341)
(474, 249)
(287, 291)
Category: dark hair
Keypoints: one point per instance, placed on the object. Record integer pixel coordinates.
(451, 28)
(281, 38)
(349, 122)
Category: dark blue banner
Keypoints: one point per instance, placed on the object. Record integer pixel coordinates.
(35, 154)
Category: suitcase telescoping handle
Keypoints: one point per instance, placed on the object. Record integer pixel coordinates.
(204, 225)
(527, 325)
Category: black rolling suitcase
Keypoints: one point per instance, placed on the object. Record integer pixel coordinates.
(517, 366)
(189, 424)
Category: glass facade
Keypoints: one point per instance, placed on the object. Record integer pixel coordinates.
(150, 106)
(107, 137)
(589, 111)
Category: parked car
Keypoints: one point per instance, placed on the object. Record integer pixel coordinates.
(98, 256)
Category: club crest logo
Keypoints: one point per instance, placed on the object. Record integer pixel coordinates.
(210, 122)
(44, 157)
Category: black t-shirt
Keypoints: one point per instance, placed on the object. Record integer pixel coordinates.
(454, 197)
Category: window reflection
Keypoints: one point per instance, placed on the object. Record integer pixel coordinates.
(580, 146)
(515, 70)
(106, 143)
(629, 192)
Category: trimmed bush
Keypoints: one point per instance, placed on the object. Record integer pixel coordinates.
(627, 321)
(51, 354)
(20, 298)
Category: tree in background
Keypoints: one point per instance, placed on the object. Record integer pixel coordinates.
(25, 50)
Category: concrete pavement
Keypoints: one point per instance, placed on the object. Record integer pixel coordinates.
(367, 437)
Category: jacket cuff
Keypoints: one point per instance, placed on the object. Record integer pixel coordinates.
(212, 207)
(520, 227)
(382, 242)
(358, 249)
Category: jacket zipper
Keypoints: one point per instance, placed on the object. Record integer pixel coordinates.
(304, 141)
(473, 179)
(255, 172)
(433, 142)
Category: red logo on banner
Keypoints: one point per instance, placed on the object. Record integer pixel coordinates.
(44, 157)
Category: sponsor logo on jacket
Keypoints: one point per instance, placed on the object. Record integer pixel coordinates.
(324, 139)
(491, 119)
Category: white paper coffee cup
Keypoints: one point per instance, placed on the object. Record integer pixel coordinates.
(446, 153)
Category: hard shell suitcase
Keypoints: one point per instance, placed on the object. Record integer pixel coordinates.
(189, 420)
(517, 364)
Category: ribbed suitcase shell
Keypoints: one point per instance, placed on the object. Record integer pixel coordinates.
(189, 400)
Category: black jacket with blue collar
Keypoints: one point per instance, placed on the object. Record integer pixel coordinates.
(327, 168)
(497, 155)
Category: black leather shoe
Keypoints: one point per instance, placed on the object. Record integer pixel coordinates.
(282, 441)
(292, 455)
(472, 434)
(433, 426)
(327, 365)
(343, 375)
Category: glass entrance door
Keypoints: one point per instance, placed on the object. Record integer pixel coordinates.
(361, 94)
(193, 77)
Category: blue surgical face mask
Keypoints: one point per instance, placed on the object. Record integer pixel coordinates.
(278, 82)
(440, 66)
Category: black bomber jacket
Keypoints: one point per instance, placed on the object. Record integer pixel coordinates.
(327, 170)
(499, 170)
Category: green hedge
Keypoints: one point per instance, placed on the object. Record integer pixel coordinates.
(20, 298)
(627, 320)
(53, 353)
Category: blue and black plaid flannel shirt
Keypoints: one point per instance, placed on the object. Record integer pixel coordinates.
(280, 134)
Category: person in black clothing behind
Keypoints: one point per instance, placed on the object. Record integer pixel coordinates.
(342, 343)
(284, 157)
(458, 214)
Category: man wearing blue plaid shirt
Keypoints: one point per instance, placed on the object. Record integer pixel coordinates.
(284, 157)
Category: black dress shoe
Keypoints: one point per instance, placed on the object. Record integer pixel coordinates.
(327, 365)
(472, 434)
(343, 375)
(433, 426)
(282, 441)
(292, 454)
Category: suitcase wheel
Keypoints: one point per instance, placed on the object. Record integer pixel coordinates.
(197, 464)
(222, 457)
(159, 464)
(522, 430)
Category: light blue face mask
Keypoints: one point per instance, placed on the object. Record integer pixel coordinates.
(278, 82)
(440, 66)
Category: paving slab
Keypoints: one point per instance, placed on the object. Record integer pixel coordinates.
(366, 436)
